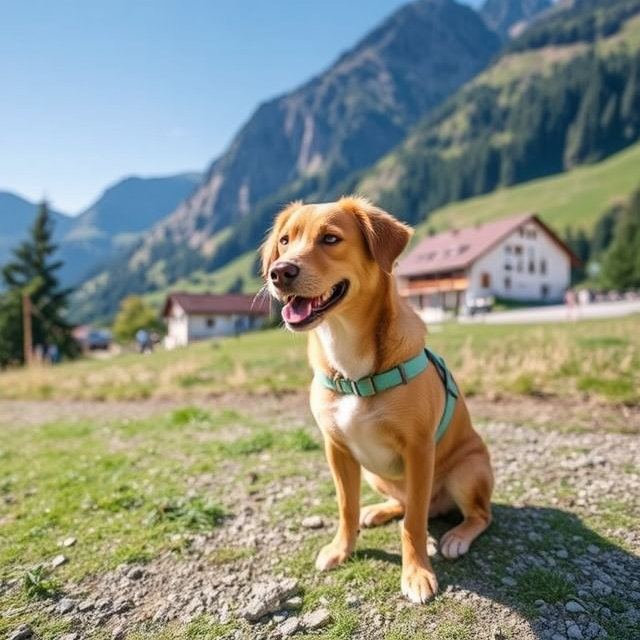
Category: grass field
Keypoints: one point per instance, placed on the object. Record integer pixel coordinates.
(590, 358)
(220, 492)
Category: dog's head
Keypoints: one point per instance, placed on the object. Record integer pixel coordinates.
(320, 258)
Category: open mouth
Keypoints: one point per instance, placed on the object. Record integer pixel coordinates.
(298, 312)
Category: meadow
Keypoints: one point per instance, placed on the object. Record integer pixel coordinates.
(599, 359)
(151, 497)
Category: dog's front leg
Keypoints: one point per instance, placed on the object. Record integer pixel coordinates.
(418, 579)
(346, 477)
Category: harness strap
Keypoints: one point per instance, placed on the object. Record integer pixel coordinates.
(402, 374)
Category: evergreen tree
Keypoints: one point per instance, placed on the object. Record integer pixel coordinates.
(621, 262)
(31, 272)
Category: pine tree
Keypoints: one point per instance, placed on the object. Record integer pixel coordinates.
(621, 262)
(32, 273)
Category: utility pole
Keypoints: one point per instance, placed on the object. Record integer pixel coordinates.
(26, 328)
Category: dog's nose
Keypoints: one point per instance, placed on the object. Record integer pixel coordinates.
(283, 273)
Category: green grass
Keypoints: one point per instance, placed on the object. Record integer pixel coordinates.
(599, 359)
(575, 198)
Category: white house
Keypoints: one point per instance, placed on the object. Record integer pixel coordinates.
(198, 316)
(518, 258)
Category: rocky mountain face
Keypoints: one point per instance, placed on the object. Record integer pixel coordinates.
(341, 121)
(510, 17)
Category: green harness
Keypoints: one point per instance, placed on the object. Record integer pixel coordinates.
(405, 371)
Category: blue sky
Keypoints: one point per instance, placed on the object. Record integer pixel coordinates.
(95, 90)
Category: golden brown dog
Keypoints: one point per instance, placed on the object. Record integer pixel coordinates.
(330, 265)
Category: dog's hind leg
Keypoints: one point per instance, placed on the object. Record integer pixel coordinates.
(470, 485)
(376, 514)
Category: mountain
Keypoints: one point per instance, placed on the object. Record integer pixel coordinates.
(16, 217)
(307, 141)
(510, 17)
(116, 220)
(563, 94)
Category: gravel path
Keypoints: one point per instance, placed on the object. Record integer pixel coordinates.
(552, 491)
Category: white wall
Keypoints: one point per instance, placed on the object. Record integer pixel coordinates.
(525, 285)
(183, 329)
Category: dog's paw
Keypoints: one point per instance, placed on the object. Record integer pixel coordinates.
(331, 556)
(419, 584)
(453, 545)
(374, 515)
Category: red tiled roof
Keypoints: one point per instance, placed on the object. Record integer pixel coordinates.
(207, 303)
(457, 249)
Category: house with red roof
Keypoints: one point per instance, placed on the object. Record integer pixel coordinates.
(199, 316)
(518, 258)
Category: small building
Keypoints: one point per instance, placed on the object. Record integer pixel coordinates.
(518, 258)
(198, 316)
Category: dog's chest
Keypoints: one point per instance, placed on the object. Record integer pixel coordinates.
(359, 423)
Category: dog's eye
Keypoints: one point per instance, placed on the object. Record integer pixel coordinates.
(329, 238)
(284, 240)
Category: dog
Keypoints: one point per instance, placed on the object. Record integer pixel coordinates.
(330, 265)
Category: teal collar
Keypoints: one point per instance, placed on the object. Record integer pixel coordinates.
(405, 371)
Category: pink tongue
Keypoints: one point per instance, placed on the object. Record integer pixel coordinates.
(297, 310)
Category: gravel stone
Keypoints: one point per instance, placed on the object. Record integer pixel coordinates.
(65, 605)
(573, 631)
(69, 542)
(267, 598)
(574, 607)
(316, 619)
(59, 560)
(23, 632)
(289, 627)
(313, 522)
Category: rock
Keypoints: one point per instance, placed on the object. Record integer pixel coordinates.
(293, 603)
(267, 598)
(558, 636)
(316, 619)
(118, 632)
(289, 627)
(574, 607)
(69, 636)
(313, 522)
(23, 632)
(573, 631)
(85, 605)
(65, 605)
(510, 582)
(594, 630)
(59, 561)
(562, 553)
(68, 542)
(600, 588)
(135, 573)
(593, 550)
(103, 604)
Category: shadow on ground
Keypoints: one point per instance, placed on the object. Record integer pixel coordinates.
(548, 566)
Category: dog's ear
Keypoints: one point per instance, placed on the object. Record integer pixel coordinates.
(386, 237)
(269, 248)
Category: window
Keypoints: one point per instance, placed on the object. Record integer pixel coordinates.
(520, 266)
(485, 280)
(532, 266)
(517, 249)
(210, 322)
(507, 248)
(543, 266)
(507, 283)
(544, 290)
(507, 266)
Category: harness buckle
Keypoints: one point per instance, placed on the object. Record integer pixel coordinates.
(403, 373)
(354, 388)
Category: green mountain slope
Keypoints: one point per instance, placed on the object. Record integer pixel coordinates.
(575, 198)
(565, 98)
